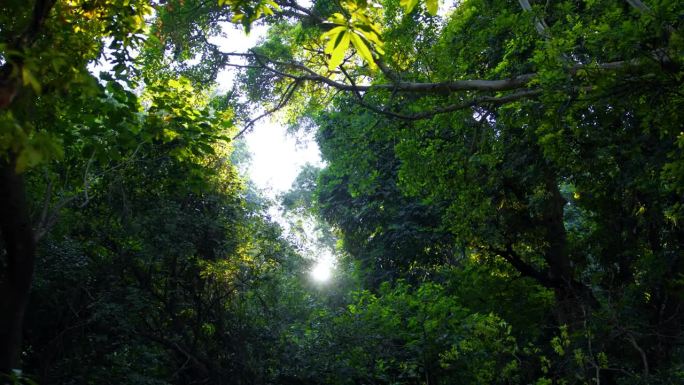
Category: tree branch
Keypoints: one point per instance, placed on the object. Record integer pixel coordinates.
(299, 10)
(642, 354)
(525, 94)
(524, 268)
(41, 10)
(639, 6)
(539, 23)
(518, 83)
(289, 91)
(445, 87)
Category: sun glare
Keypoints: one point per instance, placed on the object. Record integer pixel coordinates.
(321, 272)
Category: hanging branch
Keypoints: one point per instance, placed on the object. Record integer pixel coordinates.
(289, 91)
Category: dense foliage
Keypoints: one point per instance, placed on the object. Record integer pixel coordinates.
(503, 188)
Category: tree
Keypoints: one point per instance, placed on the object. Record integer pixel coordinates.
(44, 57)
(542, 140)
(567, 174)
(390, 235)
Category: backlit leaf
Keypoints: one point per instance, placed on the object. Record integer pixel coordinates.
(338, 53)
(432, 6)
(334, 35)
(362, 49)
(408, 5)
(29, 79)
(29, 157)
(338, 18)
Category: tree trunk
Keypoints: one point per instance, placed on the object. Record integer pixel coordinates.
(17, 263)
(572, 296)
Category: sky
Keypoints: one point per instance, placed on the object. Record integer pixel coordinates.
(276, 156)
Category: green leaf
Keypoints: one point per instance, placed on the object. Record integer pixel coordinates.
(363, 49)
(408, 5)
(338, 52)
(29, 157)
(373, 38)
(338, 19)
(333, 35)
(173, 83)
(273, 5)
(432, 6)
(29, 79)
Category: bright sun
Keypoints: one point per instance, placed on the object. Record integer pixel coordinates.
(321, 272)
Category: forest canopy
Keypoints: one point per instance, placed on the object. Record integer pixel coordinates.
(503, 187)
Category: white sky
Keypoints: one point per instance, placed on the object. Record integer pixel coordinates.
(276, 157)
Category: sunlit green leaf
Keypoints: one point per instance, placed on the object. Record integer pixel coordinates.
(408, 5)
(28, 157)
(363, 49)
(338, 18)
(337, 54)
(29, 79)
(334, 35)
(432, 6)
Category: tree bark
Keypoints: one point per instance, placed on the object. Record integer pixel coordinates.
(17, 262)
(571, 294)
